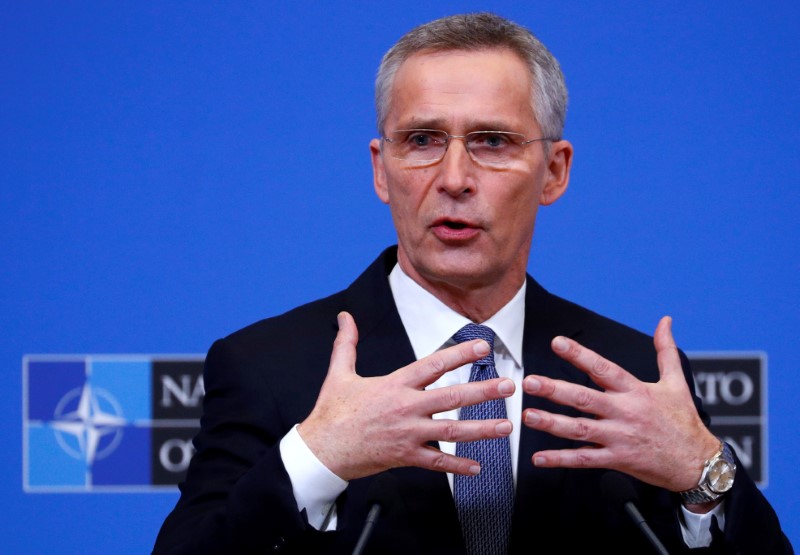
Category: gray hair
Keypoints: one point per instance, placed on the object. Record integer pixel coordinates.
(482, 31)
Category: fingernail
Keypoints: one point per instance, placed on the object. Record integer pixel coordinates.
(475, 469)
(531, 418)
(504, 428)
(481, 348)
(560, 344)
(538, 461)
(532, 385)
(340, 319)
(506, 387)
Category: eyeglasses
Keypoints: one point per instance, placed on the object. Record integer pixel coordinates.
(420, 147)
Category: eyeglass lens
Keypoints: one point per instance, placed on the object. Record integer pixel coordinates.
(487, 147)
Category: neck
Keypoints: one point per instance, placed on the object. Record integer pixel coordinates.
(476, 301)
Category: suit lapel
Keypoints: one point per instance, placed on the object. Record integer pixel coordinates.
(544, 319)
(382, 348)
(383, 344)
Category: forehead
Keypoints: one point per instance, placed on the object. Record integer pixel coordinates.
(458, 90)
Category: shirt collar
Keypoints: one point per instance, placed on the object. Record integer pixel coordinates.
(430, 324)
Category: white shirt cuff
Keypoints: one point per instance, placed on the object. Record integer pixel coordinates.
(315, 487)
(696, 528)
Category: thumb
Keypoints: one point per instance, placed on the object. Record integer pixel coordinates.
(343, 356)
(669, 362)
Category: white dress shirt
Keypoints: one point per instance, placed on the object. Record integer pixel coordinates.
(430, 325)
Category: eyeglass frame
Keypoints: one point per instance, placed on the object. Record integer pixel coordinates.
(448, 137)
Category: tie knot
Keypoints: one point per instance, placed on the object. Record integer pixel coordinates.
(476, 331)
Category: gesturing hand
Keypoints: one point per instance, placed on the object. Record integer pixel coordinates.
(651, 431)
(362, 426)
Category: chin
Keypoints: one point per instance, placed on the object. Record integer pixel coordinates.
(456, 271)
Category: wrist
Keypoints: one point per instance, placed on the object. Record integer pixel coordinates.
(716, 479)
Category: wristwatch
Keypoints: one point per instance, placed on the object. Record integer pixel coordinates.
(716, 479)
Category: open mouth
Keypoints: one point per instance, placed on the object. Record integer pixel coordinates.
(455, 231)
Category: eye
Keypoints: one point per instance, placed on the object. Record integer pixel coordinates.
(489, 139)
(421, 138)
(496, 140)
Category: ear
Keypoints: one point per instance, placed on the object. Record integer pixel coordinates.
(378, 171)
(558, 165)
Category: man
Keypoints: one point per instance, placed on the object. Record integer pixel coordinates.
(299, 442)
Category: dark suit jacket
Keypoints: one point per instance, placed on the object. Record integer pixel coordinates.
(262, 380)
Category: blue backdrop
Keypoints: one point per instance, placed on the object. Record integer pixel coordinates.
(173, 171)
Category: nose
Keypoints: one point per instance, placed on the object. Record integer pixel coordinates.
(456, 168)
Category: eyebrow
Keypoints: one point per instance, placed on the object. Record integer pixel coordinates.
(419, 123)
(472, 125)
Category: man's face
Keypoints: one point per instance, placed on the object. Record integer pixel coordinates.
(462, 226)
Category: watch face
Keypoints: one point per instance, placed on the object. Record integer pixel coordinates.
(720, 476)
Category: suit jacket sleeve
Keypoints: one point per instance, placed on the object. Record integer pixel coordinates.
(751, 524)
(575, 502)
(259, 382)
(237, 496)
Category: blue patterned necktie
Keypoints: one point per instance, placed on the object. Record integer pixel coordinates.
(485, 502)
